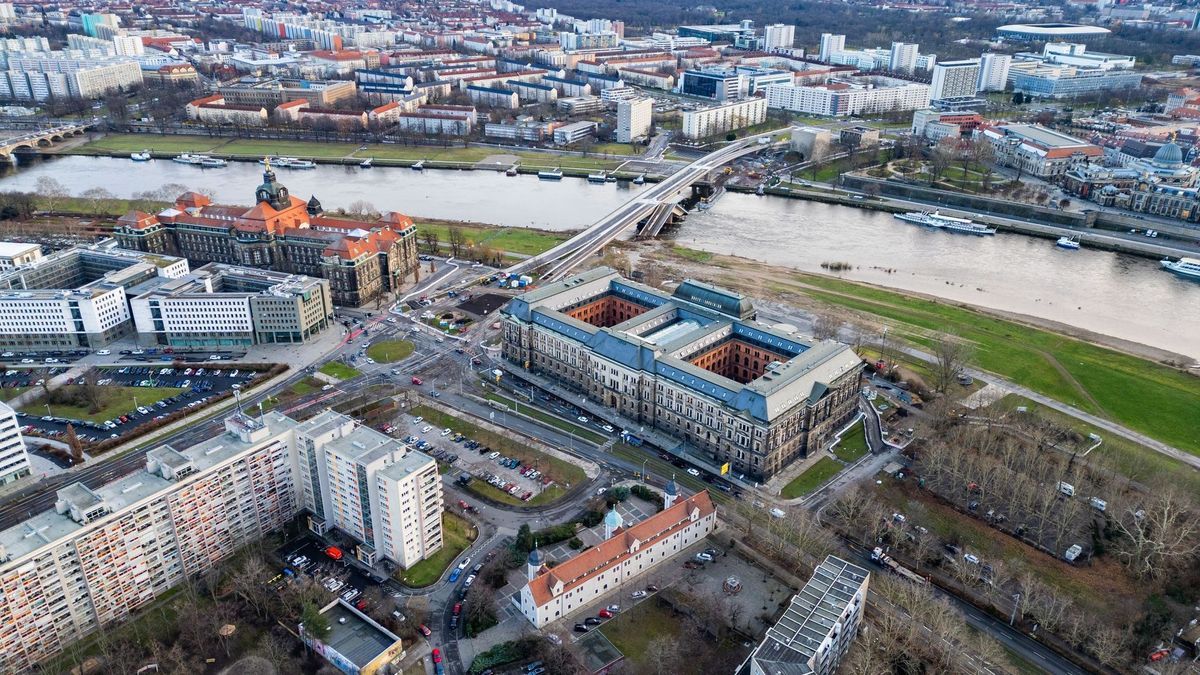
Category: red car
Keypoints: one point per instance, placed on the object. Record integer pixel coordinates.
(416, 380)
(437, 655)
(425, 630)
(605, 614)
(457, 608)
(334, 552)
(463, 505)
(361, 605)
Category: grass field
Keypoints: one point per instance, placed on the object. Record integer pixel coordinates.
(561, 472)
(390, 351)
(558, 422)
(509, 239)
(9, 393)
(115, 401)
(306, 386)
(122, 143)
(692, 254)
(812, 478)
(1130, 459)
(633, 630)
(339, 370)
(1156, 400)
(457, 535)
(853, 444)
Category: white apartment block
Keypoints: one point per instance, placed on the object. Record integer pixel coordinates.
(993, 71)
(818, 626)
(831, 44)
(778, 36)
(373, 488)
(903, 57)
(104, 552)
(84, 77)
(634, 119)
(955, 79)
(14, 462)
(574, 584)
(846, 96)
(129, 45)
(724, 118)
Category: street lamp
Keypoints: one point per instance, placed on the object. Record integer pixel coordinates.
(644, 471)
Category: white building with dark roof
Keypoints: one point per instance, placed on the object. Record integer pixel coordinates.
(812, 636)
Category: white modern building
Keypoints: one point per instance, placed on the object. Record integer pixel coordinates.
(634, 119)
(222, 305)
(831, 44)
(15, 254)
(104, 552)
(955, 79)
(574, 132)
(903, 57)
(627, 553)
(993, 71)
(818, 626)
(721, 119)
(14, 462)
(77, 297)
(851, 96)
(42, 75)
(778, 36)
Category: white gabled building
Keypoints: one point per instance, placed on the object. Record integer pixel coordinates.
(554, 593)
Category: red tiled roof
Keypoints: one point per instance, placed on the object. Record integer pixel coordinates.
(615, 550)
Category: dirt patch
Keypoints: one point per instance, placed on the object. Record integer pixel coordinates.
(497, 162)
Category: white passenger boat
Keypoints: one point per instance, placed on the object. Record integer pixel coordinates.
(1188, 268)
(948, 223)
(550, 174)
(143, 156)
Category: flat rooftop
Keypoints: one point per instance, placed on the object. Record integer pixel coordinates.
(355, 638)
(11, 248)
(1043, 136)
(49, 526)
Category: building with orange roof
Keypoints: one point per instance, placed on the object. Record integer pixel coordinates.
(1039, 151)
(553, 593)
(362, 260)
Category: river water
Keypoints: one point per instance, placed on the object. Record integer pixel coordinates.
(1110, 293)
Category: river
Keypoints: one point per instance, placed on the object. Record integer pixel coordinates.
(1114, 294)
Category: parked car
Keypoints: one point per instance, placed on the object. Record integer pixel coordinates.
(582, 628)
(465, 561)
(638, 594)
(454, 575)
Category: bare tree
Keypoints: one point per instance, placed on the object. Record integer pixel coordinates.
(51, 192)
(825, 325)
(456, 241)
(431, 241)
(362, 209)
(1160, 535)
(950, 357)
(74, 444)
(97, 199)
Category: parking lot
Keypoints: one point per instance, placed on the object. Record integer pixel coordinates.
(199, 385)
(337, 576)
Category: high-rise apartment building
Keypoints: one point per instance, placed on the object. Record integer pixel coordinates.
(993, 71)
(778, 36)
(831, 44)
(106, 551)
(954, 79)
(903, 57)
(634, 119)
(14, 462)
(724, 118)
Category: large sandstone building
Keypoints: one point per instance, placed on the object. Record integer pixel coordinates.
(362, 260)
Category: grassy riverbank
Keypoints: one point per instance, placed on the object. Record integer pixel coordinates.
(606, 157)
(518, 240)
(1154, 399)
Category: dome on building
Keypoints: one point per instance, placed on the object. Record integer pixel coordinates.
(1109, 189)
(613, 520)
(671, 488)
(1169, 155)
(314, 206)
(535, 557)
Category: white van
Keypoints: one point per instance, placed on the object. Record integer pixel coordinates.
(777, 513)
(1098, 504)
(1066, 488)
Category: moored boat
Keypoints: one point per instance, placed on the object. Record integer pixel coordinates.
(948, 223)
(600, 177)
(550, 174)
(143, 156)
(1188, 268)
(366, 163)
(1070, 243)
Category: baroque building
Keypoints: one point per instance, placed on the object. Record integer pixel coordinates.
(362, 261)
